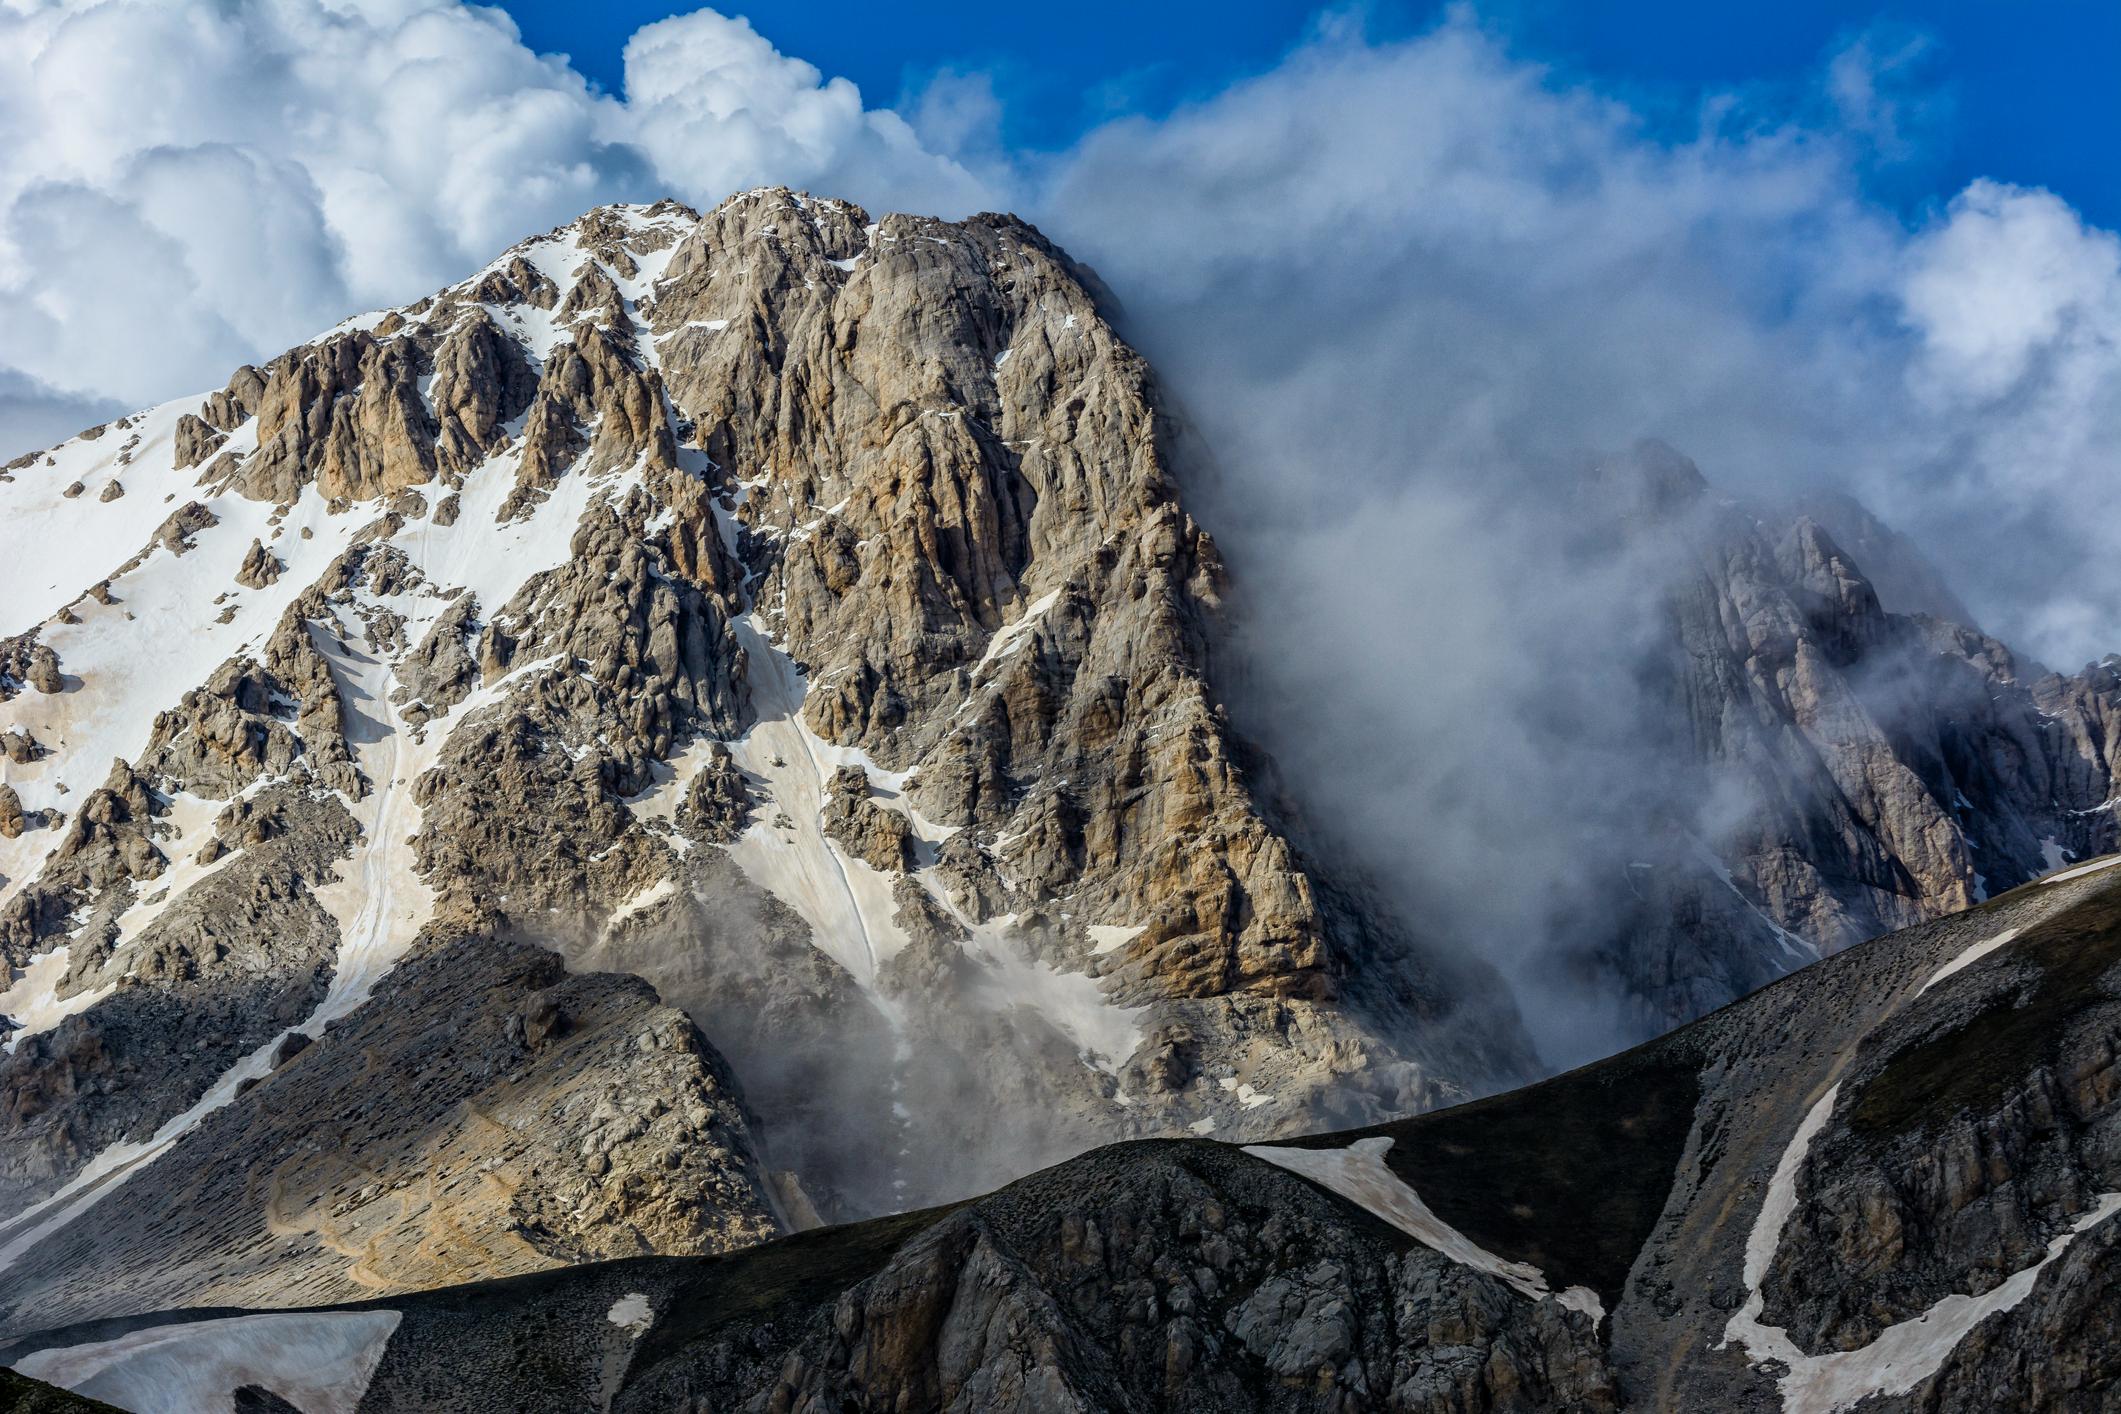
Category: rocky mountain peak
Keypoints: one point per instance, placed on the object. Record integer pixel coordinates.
(1652, 480)
(712, 706)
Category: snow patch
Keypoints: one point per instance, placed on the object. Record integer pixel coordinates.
(847, 904)
(1010, 637)
(2082, 869)
(33, 1002)
(631, 1313)
(168, 630)
(643, 901)
(1968, 958)
(1107, 937)
(48, 530)
(1903, 1355)
(1104, 1033)
(383, 903)
(319, 1361)
(1359, 1174)
(165, 633)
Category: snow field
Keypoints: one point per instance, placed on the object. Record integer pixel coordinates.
(1359, 1174)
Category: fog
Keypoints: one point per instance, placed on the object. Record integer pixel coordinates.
(1415, 296)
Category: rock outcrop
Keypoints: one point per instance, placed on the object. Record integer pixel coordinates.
(503, 1116)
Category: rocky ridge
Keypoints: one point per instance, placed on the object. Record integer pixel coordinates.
(1890, 1182)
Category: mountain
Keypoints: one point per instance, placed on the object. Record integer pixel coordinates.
(1843, 770)
(707, 728)
(699, 729)
(1887, 1182)
(22, 1395)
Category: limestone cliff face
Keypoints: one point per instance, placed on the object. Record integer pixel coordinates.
(748, 672)
(966, 534)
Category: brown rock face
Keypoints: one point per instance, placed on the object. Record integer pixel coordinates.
(260, 567)
(562, 1119)
(196, 440)
(345, 416)
(880, 838)
(229, 408)
(978, 553)
(176, 533)
(43, 672)
(591, 382)
(481, 380)
(516, 281)
(718, 804)
(24, 662)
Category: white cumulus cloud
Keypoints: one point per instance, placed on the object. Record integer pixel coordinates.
(190, 186)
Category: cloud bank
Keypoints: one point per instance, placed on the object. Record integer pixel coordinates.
(1434, 263)
(1413, 293)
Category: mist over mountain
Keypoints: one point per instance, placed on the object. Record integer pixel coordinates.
(1408, 295)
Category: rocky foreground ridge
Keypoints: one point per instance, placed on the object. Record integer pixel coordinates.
(706, 727)
(1890, 1182)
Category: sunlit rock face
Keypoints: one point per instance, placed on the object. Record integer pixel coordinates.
(1831, 768)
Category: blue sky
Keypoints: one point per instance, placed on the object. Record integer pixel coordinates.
(2025, 92)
